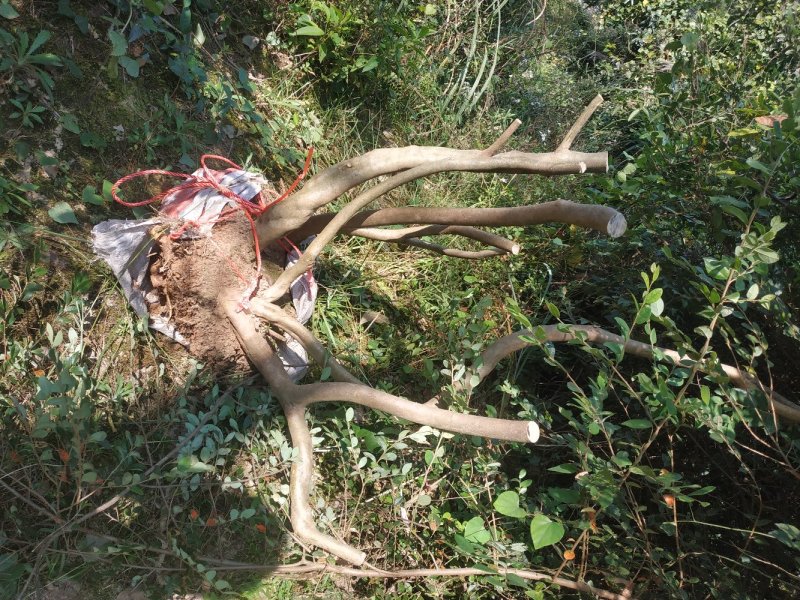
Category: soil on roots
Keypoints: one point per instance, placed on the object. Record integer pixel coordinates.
(190, 276)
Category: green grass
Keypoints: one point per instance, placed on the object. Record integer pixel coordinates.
(91, 400)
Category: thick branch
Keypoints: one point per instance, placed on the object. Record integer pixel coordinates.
(294, 399)
(335, 181)
(512, 343)
(424, 414)
(263, 357)
(592, 216)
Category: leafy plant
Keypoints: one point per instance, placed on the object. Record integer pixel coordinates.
(21, 61)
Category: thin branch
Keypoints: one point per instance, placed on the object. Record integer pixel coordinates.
(323, 568)
(576, 128)
(500, 142)
(277, 316)
(452, 252)
(512, 343)
(400, 235)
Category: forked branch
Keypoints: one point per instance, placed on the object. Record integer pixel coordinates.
(294, 400)
(292, 219)
(514, 342)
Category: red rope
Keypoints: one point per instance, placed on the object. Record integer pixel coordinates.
(252, 210)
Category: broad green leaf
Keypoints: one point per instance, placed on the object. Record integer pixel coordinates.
(131, 65)
(98, 436)
(190, 464)
(653, 295)
(90, 196)
(507, 504)
(310, 31)
(70, 123)
(63, 213)
(475, 531)
(759, 166)
(7, 11)
(564, 495)
(545, 532)
(464, 544)
(119, 45)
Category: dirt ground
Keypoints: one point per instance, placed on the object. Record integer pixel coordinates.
(190, 274)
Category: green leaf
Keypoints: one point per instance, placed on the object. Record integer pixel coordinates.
(119, 45)
(63, 213)
(653, 295)
(198, 38)
(638, 424)
(190, 464)
(247, 513)
(507, 504)
(703, 491)
(7, 11)
(743, 132)
(90, 196)
(89, 477)
(107, 186)
(463, 544)
(758, 165)
(154, 6)
(70, 123)
(553, 310)
(98, 436)
(131, 65)
(423, 500)
(564, 468)
(40, 39)
(475, 531)
(545, 532)
(310, 31)
(370, 64)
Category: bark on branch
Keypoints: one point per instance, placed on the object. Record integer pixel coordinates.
(334, 181)
(514, 342)
(294, 400)
(604, 219)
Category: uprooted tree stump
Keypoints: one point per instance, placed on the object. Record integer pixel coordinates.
(200, 291)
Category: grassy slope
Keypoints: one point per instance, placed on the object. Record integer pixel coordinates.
(123, 396)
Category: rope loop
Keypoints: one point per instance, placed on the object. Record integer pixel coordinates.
(252, 209)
